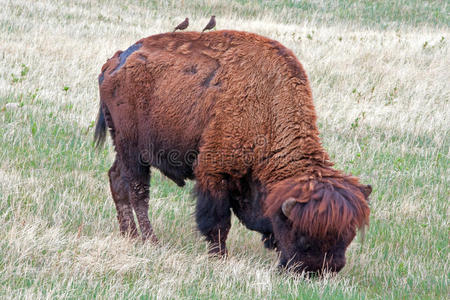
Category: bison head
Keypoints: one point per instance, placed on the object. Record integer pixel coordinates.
(315, 219)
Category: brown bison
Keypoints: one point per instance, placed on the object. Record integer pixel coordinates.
(234, 111)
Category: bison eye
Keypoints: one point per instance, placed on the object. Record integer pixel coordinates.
(304, 244)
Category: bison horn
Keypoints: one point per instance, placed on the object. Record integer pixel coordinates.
(367, 190)
(287, 206)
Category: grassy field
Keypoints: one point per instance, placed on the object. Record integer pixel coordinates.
(380, 75)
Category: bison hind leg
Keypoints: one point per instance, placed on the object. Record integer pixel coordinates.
(138, 192)
(119, 191)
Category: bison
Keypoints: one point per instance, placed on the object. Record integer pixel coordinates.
(234, 111)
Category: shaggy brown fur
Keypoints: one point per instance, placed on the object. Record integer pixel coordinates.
(332, 204)
(234, 111)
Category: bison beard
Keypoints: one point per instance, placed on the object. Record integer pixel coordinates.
(234, 111)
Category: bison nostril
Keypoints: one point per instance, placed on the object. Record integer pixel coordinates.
(338, 267)
(339, 264)
(283, 263)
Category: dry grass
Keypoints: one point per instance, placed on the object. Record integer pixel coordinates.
(382, 97)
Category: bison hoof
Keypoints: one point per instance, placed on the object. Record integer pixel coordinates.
(129, 234)
(269, 242)
(218, 251)
(151, 238)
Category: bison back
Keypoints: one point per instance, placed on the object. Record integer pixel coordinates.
(168, 95)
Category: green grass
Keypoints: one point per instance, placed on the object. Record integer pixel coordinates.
(368, 13)
(379, 74)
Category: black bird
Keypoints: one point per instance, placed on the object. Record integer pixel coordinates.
(211, 24)
(183, 25)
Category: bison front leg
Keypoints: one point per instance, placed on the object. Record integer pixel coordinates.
(269, 241)
(213, 218)
(119, 192)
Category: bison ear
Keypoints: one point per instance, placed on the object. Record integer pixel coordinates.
(287, 206)
(366, 190)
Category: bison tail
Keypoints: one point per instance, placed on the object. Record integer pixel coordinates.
(100, 129)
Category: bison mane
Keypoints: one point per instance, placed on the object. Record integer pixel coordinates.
(325, 205)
